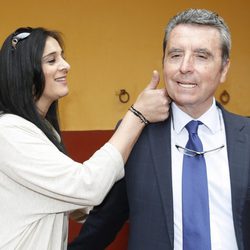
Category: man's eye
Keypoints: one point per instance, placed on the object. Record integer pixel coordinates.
(175, 55)
(202, 56)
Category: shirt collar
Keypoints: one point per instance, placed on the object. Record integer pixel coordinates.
(211, 118)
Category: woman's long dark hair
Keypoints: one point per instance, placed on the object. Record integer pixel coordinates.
(22, 81)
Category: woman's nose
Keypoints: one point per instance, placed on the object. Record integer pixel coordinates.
(64, 65)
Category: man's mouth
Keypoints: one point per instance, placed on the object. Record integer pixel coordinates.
(188, 85)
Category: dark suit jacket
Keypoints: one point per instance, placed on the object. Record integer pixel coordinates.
(148, 183)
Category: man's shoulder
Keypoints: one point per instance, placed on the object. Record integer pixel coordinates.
(234, 116)
(236, 121)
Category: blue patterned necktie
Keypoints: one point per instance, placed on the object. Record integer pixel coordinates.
(195, 206)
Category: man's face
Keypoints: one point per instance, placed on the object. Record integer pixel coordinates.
(193, 67)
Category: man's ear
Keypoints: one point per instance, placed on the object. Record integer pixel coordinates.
(224, 70)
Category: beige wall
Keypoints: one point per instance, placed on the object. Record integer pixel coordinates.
(115, 44)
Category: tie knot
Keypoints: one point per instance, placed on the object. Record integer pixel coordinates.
(192, 126)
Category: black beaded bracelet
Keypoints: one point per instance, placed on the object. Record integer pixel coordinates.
(139, 114)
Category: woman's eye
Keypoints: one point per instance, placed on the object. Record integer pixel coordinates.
(51, 61)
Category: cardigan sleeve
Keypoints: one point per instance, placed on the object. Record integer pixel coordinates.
(30, 159)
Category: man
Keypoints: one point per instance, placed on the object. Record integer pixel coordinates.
(169, 207)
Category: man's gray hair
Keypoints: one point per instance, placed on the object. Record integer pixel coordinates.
(202, 17)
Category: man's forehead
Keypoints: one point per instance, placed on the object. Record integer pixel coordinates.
(195, 36)
(191, 30)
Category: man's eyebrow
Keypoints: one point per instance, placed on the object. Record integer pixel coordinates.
(204, 51)
(173, 50)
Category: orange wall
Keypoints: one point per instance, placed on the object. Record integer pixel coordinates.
(116, 44)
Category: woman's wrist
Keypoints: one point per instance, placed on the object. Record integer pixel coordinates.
(139, 115)
(127, 134)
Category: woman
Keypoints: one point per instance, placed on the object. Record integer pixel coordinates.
(39, 184)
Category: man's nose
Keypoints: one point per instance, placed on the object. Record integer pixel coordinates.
(187, 64)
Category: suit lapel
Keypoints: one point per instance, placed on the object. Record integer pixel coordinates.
(238, 157)
(160, 141)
